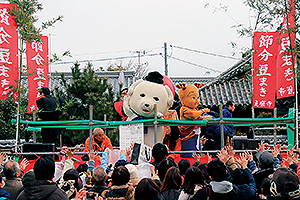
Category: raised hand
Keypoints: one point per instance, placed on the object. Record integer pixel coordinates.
(209, 157)
(92, 155)
(24, 163)
(243, 161)
(81, 194)
(276, 150)
(229, 150)
(261, 146)
(3, 157)
(196, 156)
(223, 156)
(70, 153)
(249, 156)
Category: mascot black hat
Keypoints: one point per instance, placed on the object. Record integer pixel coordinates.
(155, 77)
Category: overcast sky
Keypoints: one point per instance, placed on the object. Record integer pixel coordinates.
(98, 29)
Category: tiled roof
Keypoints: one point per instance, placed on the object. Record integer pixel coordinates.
(192, 80)
(217, 93)
(232, 84)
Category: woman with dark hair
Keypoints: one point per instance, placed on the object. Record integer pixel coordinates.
(120, 190)
(172, 139)
(147, 189)
(203, 169)
(163, 167)
(70, 183)
(170, 188)
(193, 181)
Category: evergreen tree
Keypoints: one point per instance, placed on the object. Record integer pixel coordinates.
(86, 88)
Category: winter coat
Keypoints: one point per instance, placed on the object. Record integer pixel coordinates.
(260, 174)
(13, 186)
(213, 135)
(218, 190)
(4, 195)
(170, 194)
(247, 191)
(123, 192)
(106, 143)
(227, 113)
(42, 189)
(98, 189)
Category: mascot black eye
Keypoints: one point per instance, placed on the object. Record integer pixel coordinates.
(142, 95)
(193, 98)
(156, 98)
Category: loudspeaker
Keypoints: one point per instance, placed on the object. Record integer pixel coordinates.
(253, 144)
(240, 144)
(37, 147)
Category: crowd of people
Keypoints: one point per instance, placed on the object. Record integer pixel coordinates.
(259, 175)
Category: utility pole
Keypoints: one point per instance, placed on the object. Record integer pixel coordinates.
(166, 64)
(139, 60)
(139, 52)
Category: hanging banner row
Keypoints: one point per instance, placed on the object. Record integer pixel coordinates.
(36, 55)
(273, 64)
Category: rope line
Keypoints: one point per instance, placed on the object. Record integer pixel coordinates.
(203, 52)
(105, 59)
(201, 66)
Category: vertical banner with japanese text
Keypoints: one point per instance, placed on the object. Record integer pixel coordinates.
(265, 45)
(9, 69)
(38, 70)
(285, 86)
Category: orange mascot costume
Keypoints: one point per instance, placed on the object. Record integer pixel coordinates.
(189, 98)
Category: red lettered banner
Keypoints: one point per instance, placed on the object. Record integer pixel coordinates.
(285, 86)
(9, 70)
(265, 46)
(37, 68)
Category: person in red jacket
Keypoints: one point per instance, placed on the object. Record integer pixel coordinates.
(120, 115)
(100, 141)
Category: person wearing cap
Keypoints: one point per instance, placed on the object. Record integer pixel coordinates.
(267, 163)
(284, 184)
(219, 187)
(133, 171)
(48, 111)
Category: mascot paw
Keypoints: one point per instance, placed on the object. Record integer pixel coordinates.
(206, 110)
(159, 114)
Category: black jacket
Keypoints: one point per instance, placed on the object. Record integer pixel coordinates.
(259, 176)
(98, 189)
(170, 194)
(42, 189)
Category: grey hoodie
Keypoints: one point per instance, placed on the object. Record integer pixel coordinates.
(221, 187)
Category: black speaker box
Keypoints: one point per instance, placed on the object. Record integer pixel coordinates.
(37, 147)
(253, 144)
(240, 144)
